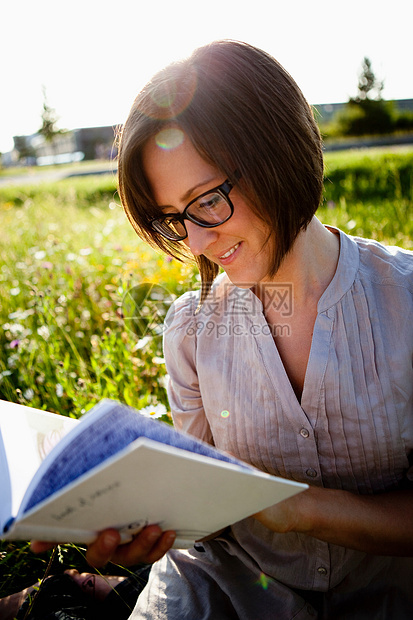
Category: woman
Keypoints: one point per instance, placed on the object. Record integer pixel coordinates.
(304, 345)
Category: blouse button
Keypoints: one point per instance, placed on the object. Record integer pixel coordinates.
(311, 472)
(322, 570)
(304, 433)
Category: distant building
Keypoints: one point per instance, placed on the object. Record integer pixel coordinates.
(96, 142)
(75, 145)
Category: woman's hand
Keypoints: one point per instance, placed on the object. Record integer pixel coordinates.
(147, 547)
(379, 524)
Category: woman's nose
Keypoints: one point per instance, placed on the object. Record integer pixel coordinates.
(199, 238)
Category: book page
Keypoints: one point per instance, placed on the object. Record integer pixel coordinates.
(149, 482)
(27, 436)
(102, 433)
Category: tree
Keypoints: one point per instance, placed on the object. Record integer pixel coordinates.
(368, 83)
(49, 117)
(367, 113)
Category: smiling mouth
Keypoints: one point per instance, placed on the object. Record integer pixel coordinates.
(231, 251)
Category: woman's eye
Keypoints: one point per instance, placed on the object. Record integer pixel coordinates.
(210, 202)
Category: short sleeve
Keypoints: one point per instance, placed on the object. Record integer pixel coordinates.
(180, 360)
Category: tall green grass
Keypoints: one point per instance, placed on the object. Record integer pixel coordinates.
(68, 257)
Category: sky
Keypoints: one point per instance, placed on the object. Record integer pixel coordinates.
(93, 56)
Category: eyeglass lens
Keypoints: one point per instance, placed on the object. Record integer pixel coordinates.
(210, 209)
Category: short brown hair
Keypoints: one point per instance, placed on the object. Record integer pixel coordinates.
(243, 112)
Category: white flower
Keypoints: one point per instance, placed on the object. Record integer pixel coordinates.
(141, 343)
(158, 360)
(43, 331)
(59, 390)
(20, 315)
(153, 411)
(164, 381)
(14, 328)
(28, 394)
(5, 373)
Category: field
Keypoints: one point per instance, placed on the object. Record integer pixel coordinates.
(68, 261)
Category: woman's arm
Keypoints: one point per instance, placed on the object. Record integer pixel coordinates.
(377, 524)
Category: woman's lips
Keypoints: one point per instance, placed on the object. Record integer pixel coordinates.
(227, 256)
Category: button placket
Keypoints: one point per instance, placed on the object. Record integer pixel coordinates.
(311, 473)
(309, 452)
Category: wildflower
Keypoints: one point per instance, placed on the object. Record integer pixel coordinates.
(12, 361)
(28, 394)
(14, 291)
(47, 265)
(141, 343)
(158, 360)
(21, 314)
(153, 411)
(40, 255)
(14, 344)
(164, 381)
(59, 390)
(13, 328)
(43, 331)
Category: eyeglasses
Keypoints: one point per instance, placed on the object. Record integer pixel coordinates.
(210, 209)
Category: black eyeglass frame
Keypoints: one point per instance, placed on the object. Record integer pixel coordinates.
(223, 189)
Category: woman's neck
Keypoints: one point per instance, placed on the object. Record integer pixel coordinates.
(309, 266)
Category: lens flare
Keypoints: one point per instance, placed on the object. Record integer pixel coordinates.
(225, 414)
(168, 95)
(263, 581)
(169, 138)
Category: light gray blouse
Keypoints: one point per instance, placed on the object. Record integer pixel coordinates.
(353, 428)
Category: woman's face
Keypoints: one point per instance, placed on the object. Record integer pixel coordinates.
(177, 176)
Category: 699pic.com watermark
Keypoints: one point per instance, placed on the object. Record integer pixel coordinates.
(219, 330)
(239, 312)
(228, 310)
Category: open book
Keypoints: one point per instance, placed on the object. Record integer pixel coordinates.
(64, 480)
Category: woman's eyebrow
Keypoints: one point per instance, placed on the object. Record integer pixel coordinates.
(190, 192)
(193, 189)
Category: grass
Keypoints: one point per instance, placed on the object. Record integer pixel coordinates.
(68, 258)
